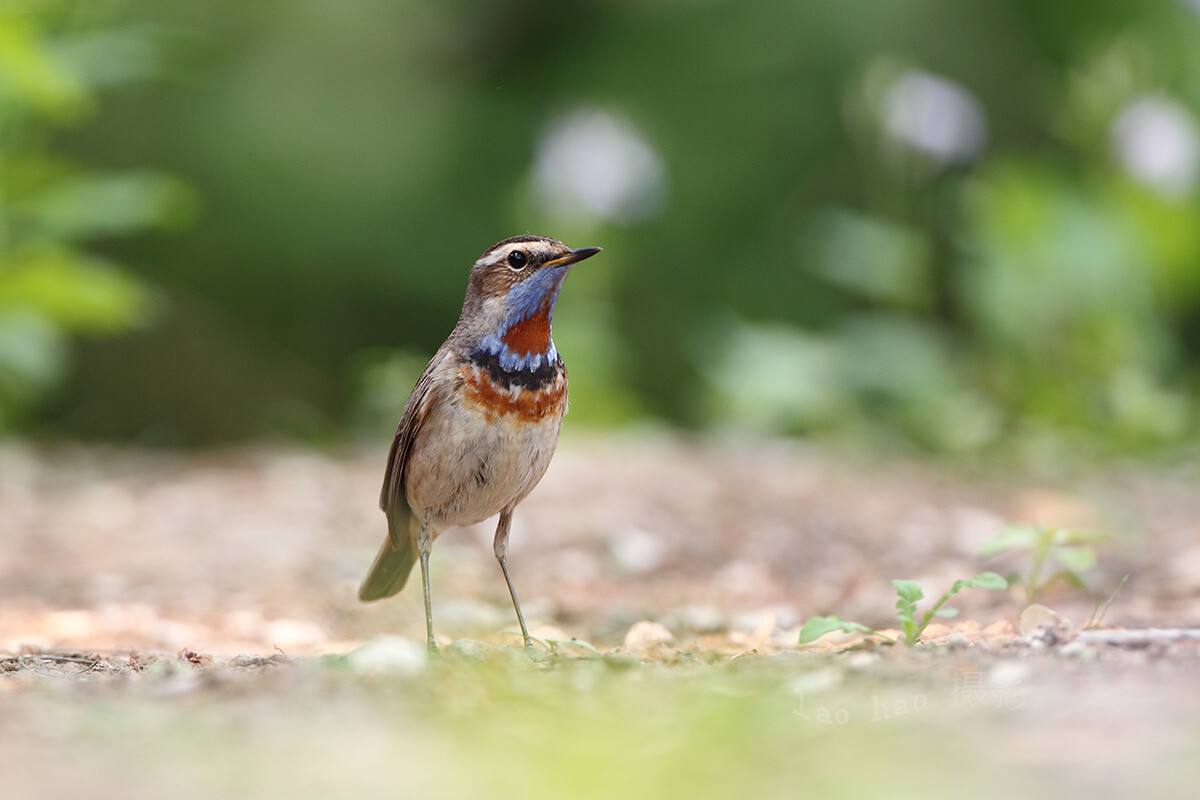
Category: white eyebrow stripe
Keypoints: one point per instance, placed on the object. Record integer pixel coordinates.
(535, 247)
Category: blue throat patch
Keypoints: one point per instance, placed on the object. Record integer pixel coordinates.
(524, 300)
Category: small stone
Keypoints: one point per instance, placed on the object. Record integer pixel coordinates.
(389, 655)
(646, 635)
(1036, 617)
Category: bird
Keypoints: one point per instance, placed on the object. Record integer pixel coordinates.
(482, 423)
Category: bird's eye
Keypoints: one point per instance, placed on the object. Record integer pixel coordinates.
(517, 259)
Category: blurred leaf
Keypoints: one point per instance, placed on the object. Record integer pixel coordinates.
(113, 204)
(908, 372)
(1145, 406)
(1011, 538)
(1060, 286)
(880, 260)
(74, 291)
(984, 580)
(30, 76)
(111, 56)
(1076, 559)
(816, 627)
(51, 54)
(33, 356)
(1077, 536)
(771, 378)
(1169, 237)
(1072, 579)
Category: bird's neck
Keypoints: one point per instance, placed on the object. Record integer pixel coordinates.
(522, 344)
(523, 340)
(531, 336)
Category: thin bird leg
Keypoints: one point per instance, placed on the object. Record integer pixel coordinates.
(501, 547)
(424, 546)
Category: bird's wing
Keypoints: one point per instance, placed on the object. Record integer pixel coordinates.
(392, 497)
(392, 566)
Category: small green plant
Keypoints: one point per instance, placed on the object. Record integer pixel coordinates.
(1055, 554)
(913, 622)
(908, 594)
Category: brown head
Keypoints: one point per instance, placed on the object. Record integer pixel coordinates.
(518, 259)
(511, 295)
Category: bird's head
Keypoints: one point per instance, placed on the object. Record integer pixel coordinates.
(513, 288)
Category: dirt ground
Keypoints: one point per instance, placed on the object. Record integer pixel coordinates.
(164, 613)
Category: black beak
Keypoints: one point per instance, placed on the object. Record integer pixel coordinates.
(573, 257)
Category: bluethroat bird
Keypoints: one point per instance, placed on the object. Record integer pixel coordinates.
(482, 422)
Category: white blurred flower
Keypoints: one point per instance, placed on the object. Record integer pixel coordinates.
(1155, 140)
(934, 116)
(599, 165)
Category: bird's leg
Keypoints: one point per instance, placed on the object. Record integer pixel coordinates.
(500, 545)
(424, 546)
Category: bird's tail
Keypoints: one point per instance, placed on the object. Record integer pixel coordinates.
(392, 566)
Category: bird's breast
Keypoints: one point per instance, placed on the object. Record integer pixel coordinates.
(486, 446)
(523, 395)
(520, 400)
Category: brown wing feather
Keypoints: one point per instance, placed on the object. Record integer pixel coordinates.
(391, 568)
(391, 497)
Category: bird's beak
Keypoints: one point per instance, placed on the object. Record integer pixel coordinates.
(573, 257)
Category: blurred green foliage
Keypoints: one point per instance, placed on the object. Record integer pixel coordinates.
(1054, 555)
(54, 59)
(952, 225)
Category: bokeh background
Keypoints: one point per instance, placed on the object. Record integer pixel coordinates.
(891, 289)
(953, 227)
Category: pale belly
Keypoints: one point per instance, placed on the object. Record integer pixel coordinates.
(469, 464)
